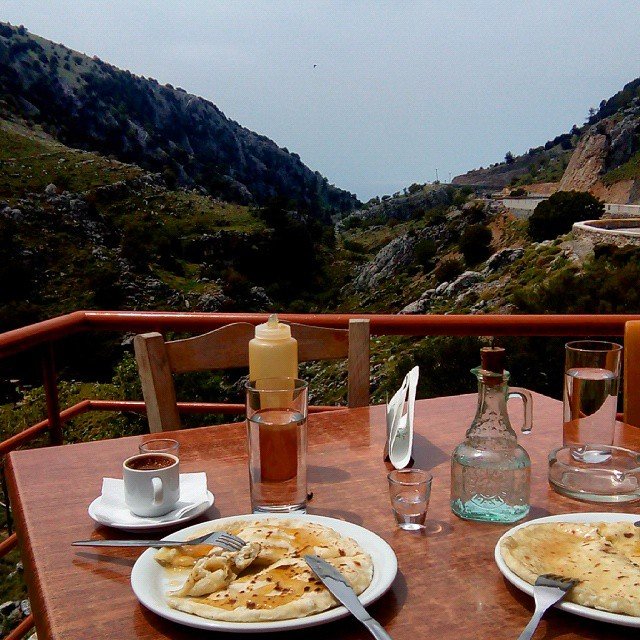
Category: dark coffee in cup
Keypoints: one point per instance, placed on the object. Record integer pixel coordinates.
(151, 483)
(150, 462)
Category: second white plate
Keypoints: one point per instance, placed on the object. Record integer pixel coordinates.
(150, 582)
(571, 607)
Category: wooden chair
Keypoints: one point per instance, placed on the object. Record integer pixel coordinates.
(227, 348)
(631, 392)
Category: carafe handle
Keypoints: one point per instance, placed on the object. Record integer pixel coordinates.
(527, 401)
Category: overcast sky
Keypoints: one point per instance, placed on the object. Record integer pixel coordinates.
(400, 89)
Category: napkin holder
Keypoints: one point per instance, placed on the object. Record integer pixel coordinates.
(400, 411)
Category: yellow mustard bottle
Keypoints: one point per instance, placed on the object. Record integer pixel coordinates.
(273, 353)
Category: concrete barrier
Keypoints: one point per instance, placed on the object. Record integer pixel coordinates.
(622, 210)
(522, 207)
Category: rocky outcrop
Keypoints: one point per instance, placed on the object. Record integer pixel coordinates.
(457, 289)
(465, 283)
(605, 146)
(462, 283)
(421, 305)
(389, 260)
(587, 162)
(502, 258)
(403, 206)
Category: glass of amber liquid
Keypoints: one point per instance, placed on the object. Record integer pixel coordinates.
(277, 441)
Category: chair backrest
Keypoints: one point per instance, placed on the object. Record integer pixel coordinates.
(631, 392)
(227, 348)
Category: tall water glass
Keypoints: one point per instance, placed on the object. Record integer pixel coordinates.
(277, 440)
(591, 382)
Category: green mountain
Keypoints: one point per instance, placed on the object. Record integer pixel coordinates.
(79, 230)
(89, 104)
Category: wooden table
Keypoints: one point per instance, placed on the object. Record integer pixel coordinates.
(447, 586)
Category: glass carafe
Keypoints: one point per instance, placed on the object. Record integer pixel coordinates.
(490, 471)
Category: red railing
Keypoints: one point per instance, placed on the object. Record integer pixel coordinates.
(43, 335)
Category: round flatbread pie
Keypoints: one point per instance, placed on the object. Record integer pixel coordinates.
(268, 578)
(604, 557)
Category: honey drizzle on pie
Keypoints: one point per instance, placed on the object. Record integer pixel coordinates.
(279, 576)
(265, 590)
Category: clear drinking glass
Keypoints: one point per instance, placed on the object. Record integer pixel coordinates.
(591, 382)
(410, 490)
(160, 445)
(277, 441)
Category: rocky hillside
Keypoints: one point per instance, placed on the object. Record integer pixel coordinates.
(78, 230)
(541, 164)
(427, 266)
(89, 104)
(474, 257)
(602, 156)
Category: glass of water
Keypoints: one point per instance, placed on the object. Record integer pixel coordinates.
(590, 399)
(277, 439)
(410, 490)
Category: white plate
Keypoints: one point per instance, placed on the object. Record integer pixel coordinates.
(151, 582)
(577, 609)
(152, 524)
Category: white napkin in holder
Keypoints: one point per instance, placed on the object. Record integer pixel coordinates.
(399, 442)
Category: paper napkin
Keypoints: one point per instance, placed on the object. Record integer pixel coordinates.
(112, 507)
(400, 412)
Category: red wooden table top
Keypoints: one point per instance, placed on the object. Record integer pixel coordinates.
(447, 586)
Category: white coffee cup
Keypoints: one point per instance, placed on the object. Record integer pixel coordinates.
(151, 483)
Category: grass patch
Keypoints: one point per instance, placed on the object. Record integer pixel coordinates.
(29, 163)
(630, 170)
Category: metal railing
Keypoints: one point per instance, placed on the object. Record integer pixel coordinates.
(42, 337)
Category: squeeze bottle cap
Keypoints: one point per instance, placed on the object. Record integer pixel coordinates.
(273, 330)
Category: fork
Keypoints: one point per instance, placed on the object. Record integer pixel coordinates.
(548, 590)
(218, 538)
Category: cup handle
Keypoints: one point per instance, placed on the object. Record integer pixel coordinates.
(527, 401)
(158, 493)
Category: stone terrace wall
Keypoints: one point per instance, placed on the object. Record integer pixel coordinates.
(610, 231)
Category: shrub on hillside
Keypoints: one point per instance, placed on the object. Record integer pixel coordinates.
(446, 358)
(448, 269)
(607, 283)
(352, 222)
(461, 195)
(436, 215)
(354, 246)
(556, 215)
(425, 251)
(475, 243)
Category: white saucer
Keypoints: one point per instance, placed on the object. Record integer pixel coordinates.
(151, 523)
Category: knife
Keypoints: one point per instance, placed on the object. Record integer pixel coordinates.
(342, 591)
(154, 544)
